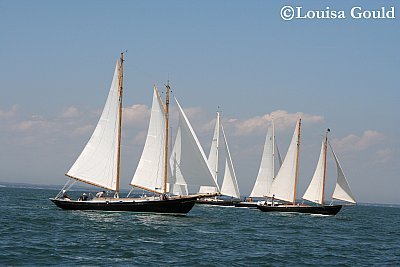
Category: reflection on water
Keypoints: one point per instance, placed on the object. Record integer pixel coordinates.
(99, 216)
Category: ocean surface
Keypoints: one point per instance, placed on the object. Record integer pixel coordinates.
(33, 231)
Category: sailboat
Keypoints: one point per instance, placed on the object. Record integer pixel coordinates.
(229, 186)
(266, 172)
(99, 162)
(285, 184)
(188, 163)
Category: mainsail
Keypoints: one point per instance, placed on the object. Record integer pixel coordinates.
(266, 172)
(284, 185)
(188, 162)
(98, 162)
(315, 190)
(342, 189)
(229, 184)
(150, 170)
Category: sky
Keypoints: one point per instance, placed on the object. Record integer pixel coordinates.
(57, 60)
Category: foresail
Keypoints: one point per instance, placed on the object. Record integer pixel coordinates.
(342, 189)
(284, 183)
(150, 170)
(177, 183)
(279, 154)
(214, 150)
(97, 163)
(315, 189)
(213, 159)
(188, 161)
(266, 172)
(229, 185)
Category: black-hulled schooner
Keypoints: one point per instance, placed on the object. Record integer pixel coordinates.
(266, 172)
(228, 194)
(99, 162)
(284, 185)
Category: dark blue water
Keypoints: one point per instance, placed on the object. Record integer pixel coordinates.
(33, 231)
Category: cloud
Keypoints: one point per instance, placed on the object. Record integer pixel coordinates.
(5, 114)
(384, 155)
(353, 142)
(283, 120)
(193, 112)
(140, 138)
(136, 115)
(83, 130)
(70, 112)
(36, 123)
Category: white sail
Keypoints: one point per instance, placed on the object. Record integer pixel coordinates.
(229, 184)
(213, 158)
(188, 161)
(97, 163)
(150, 170)
(177, 183)
(315, 189)
(279, 154)
(266, 172)
(283, 186)
(342, 189)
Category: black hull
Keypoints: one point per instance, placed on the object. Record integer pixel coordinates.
(169, 206)
(252, 205)
(326, 210)
(216, 203)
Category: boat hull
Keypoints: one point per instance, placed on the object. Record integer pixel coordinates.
(216, 202)
(246, 205)
(326, 210)
(170, 206)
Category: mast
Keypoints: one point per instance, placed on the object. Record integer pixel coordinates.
(216, 163)
(166, 135)
(120, 81)
(297, 160)
(323, 181)
(273, 150)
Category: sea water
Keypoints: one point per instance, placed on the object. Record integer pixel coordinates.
(33, 231)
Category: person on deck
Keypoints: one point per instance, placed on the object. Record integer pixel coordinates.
(66, 197)
(101, 194)
(84, 197)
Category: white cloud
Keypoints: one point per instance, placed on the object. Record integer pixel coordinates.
(83, 130)
(34, 124)
(140, 138)
(353, 142)
(136, 115)
(283, 120)
(5, 114)
(384, 155)
(70, 112)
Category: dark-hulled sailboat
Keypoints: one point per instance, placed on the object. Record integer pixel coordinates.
(229, 194)
(284, 185)
(266, 172)
(99, 162)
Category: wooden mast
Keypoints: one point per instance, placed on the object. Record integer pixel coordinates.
(273, 148)
(297, 160)
(166, 135)
(323, 181)
(216, 163)
(120, 80)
